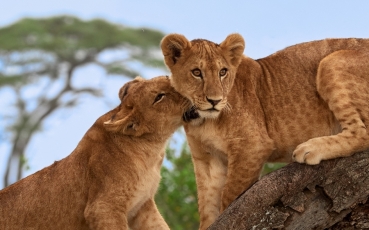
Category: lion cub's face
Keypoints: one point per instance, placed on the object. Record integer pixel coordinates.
(203, 71)
(148, 107)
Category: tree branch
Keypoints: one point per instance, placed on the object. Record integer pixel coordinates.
(300, 196)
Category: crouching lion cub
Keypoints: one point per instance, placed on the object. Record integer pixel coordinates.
(308, 102)
(109, 180)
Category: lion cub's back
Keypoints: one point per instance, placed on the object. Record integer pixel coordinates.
(294, 110)
(36, 201)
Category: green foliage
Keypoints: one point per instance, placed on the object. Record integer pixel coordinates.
(65, 34)
(121, 70)
(35, 43)
(177, 197)
(10, 80)
(270, 167)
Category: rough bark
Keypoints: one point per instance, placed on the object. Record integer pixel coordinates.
(332, 195)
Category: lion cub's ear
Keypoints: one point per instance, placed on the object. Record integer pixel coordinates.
(234, 45)
(124, 89)
(138, 78)
(172, 47)
(124, 119)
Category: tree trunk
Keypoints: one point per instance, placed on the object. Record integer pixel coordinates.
(15, 164)
(332, 195)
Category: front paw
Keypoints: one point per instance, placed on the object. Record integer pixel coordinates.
(307, 153)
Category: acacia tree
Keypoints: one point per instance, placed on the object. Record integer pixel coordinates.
(43, 54)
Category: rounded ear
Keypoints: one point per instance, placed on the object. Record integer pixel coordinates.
(172, 47)
(123, 90)
(234, 46)
(138, 78)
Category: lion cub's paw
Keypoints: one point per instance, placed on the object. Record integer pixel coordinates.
(308, 152)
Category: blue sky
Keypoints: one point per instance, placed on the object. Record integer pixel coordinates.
(267, 26)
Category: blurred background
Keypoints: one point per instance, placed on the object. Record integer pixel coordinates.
(63, 62)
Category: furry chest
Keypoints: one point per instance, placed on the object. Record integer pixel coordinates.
(148, 184)
(210, 138)
(146, 188)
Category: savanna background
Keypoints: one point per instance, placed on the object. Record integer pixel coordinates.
(63, 62)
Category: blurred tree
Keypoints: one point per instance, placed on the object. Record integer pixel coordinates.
(38, 61)
(177, 196)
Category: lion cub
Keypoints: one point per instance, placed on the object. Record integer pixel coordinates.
(308, 102)
(109, 180)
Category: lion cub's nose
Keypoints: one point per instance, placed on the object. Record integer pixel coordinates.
(213, 102)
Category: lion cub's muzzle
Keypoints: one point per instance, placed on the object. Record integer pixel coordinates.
(211, 108)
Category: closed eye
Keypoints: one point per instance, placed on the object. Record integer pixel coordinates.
(159, 97)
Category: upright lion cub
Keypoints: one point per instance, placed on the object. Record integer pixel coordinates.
(109, 180)
(308, 102)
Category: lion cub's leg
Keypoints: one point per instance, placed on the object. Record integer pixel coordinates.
(148, 217)
(211, 174)
(105, 214)
(246, 158)
(343, 82)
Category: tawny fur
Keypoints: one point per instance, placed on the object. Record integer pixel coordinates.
(308, 102)
(109, 180)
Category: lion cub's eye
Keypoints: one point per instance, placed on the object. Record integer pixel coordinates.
(223, 72)
(196, 73)
(159, 97)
